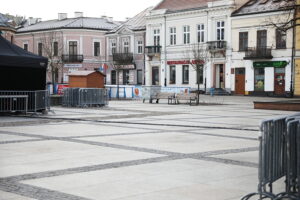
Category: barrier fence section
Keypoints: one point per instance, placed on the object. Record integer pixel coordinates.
(24, 101)
(279, 157)
(85, 97)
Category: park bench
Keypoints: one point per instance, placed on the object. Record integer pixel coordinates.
(189, 98)
(162, 95)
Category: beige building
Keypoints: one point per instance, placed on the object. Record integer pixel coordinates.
(261, 53)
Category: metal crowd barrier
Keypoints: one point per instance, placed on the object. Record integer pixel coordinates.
(24, 101)
(85, 97)
(279, 156)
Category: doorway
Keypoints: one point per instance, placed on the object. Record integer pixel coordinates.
(279, 81)
(240, 81)
(155, 76)
(219, 76)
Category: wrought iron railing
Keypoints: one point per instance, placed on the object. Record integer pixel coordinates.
(258, 53)
(152, 50)
(69, 58)
(216, 45)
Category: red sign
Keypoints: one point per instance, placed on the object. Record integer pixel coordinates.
(60, 89)
(184, 62)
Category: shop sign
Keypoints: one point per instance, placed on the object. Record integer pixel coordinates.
(72, 65)
(278, 64)
(184, 62)
(126, 67)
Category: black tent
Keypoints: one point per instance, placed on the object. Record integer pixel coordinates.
(20, 69)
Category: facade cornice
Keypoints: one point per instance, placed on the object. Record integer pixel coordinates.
(59, 30)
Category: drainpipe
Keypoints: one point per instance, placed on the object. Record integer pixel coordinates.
(165, 50)
(293, 56)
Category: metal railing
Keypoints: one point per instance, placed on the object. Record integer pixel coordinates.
(24, 101)
(152, 50)
(84, 97)
(279, 156)
(69, 58)
(216, 45)
(258, 53)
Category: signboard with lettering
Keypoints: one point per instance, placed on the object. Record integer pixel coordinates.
(184, 62)
(126, 66)
(279, 64)
(72, 65)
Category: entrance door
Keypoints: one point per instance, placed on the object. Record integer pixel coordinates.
(240, 81)
(155, 76)
(279, 81)
(219, 77)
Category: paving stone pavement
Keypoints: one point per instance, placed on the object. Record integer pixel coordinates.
(132, 150)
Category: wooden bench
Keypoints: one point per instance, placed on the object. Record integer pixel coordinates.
(192, 97)
(162, 95)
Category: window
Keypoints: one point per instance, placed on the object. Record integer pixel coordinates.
(156, 37)
(185, 74)
(280, 39)
(96, 48)
(200, 33)
(173, 36)
(172, 74)
(113, 77)
(126, 46)
(140, 47)
(220, 30)
(55, 48)
(199, 74)
(40, 49)
(113, 47)
(261, 39)
(72, 48)
(139, 77)
(243, 41)
(186, 35)
(259, 79)
(25, 47)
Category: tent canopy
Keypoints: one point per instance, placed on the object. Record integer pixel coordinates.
(19, 69)
(14, 56)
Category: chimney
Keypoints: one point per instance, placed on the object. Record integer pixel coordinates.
(62, 16)
(78, 14)
(110, 19)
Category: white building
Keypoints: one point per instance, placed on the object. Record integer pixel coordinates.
(262, 54)
(173, 27)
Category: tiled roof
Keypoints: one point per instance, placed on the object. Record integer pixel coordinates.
(82, 22)
(138, 22)
(177, 5)
(262, 6)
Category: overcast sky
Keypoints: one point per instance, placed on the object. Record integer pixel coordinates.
(48, 9)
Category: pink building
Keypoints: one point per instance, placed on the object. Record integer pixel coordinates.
(7, 28)
(71, 44)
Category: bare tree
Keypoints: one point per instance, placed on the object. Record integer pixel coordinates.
(197, 56)
(53, 46)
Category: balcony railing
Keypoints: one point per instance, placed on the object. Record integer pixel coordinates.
(67, 58)
(216, 45)
(123, 58)
(152, 50)
(258, 53)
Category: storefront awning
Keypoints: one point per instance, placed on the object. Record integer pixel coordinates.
(277, 64)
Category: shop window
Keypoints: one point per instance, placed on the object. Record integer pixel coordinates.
(139, 77)
(113, 77)
(259, 79)
(172, 74)
(185, 74)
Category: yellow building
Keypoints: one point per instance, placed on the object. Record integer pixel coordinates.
(297, 55)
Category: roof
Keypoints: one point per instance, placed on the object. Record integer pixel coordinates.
(14, 56)
(178, 5)
(71, 23)
(83, 73)
(138, 22)
(263, 6)
(5, 22)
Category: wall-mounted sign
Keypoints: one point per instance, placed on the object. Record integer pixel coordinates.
(72, 65)
(126, 66)
(184, 62)
(270, 64)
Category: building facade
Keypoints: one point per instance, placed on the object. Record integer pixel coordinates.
(181, 35)
(297, 51)
(7, 28)
(125, 52)
(70, 44)
(261, 52)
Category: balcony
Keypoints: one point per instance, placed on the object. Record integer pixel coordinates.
(72, 58)
(215, 46)
(252, 53)
(152, 50)
(123, 58)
